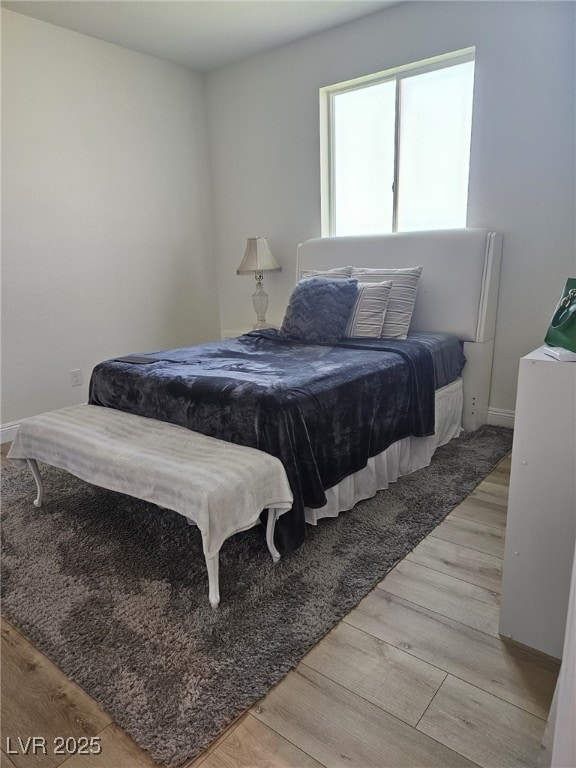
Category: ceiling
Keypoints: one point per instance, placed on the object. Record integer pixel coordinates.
(198, 34)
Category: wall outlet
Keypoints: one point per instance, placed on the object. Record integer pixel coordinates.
(76, 377)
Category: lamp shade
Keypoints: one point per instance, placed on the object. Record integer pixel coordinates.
(257, 258)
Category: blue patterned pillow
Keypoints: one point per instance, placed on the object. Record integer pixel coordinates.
(319, 309)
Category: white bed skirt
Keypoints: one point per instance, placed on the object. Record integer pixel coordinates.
(401, 458)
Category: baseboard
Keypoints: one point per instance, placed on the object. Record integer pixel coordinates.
(499, 417)
(8, 431)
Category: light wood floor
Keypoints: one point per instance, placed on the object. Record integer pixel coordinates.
(415, 675)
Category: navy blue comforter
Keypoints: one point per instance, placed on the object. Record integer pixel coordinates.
(323, 410)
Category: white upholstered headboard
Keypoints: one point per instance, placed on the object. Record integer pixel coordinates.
(457, 293)
(458, 289)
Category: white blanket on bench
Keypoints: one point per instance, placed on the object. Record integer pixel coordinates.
(220, 486)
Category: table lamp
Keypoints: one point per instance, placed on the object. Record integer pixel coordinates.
(257, 260)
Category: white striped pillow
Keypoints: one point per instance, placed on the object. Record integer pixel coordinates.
(341, 273)
(367, 316)
(401, 300)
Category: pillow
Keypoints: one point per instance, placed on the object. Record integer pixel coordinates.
(319, 309)
(341, 273)
(401, 300)
(367, 317)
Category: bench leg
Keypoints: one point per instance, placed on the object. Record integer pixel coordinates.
(36, 472)
(213, 581)
(270, 525)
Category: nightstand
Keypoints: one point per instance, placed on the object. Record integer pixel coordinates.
(232, 333)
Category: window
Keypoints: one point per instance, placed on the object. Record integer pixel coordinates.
(396, 148)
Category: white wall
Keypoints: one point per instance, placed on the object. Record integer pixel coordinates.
(264, 138)
(106, 215)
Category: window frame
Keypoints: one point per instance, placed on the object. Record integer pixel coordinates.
(327, 142)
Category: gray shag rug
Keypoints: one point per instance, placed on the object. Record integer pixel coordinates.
(114, 590)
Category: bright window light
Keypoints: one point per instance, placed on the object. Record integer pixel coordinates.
(396, 148)
(435, 128)
(364, 125)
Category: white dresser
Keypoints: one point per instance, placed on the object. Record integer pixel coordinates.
(541, 523)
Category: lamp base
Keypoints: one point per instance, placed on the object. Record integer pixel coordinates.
(260, 302)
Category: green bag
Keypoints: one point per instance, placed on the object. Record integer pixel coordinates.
(562, 330)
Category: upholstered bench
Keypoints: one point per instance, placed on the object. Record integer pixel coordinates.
(218, 486)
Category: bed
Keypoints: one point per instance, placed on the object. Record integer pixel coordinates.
(346, 418)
